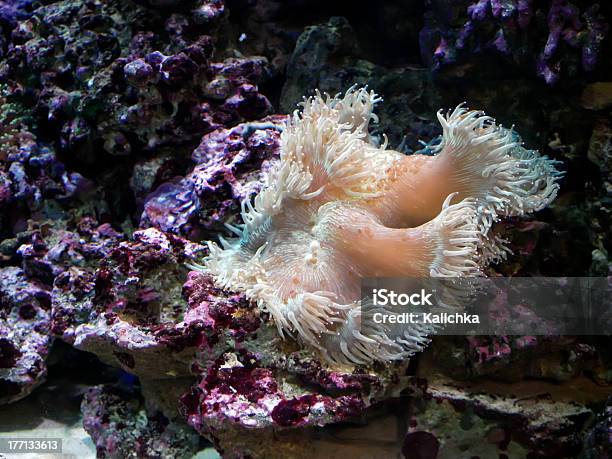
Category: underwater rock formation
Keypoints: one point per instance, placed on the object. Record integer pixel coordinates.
(24, 334)
(31, 175)
(120, 427)
(408, 114)
(518, 420)
(230, 167)
(126, 308)
(261, 383)
(555, 37)
(600, 154)
(100, 78)
(338, 207)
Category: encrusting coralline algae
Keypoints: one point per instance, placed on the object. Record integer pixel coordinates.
(338, 207)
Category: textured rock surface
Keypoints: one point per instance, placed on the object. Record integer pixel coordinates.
(262, 381)
(116, 85)
(126, 310)
(24, 334)
(527, 419)
(230, 166)
(120, 427)
(554, 38)
(410, 100)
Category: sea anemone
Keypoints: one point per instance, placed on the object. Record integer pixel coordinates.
(339, 207)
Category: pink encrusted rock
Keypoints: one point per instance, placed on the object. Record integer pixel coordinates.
(24, 334)
(126, 308)
(121, 426)
(250, 378)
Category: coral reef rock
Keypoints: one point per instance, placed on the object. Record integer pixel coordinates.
(24, 334)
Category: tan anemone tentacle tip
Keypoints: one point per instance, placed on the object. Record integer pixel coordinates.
(338, 207)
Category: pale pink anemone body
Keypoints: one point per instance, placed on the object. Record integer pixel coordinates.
(338, 208)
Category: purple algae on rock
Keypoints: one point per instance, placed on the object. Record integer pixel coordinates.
(230, 166)
(24, 334)
(563, 38)
(121, 426)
